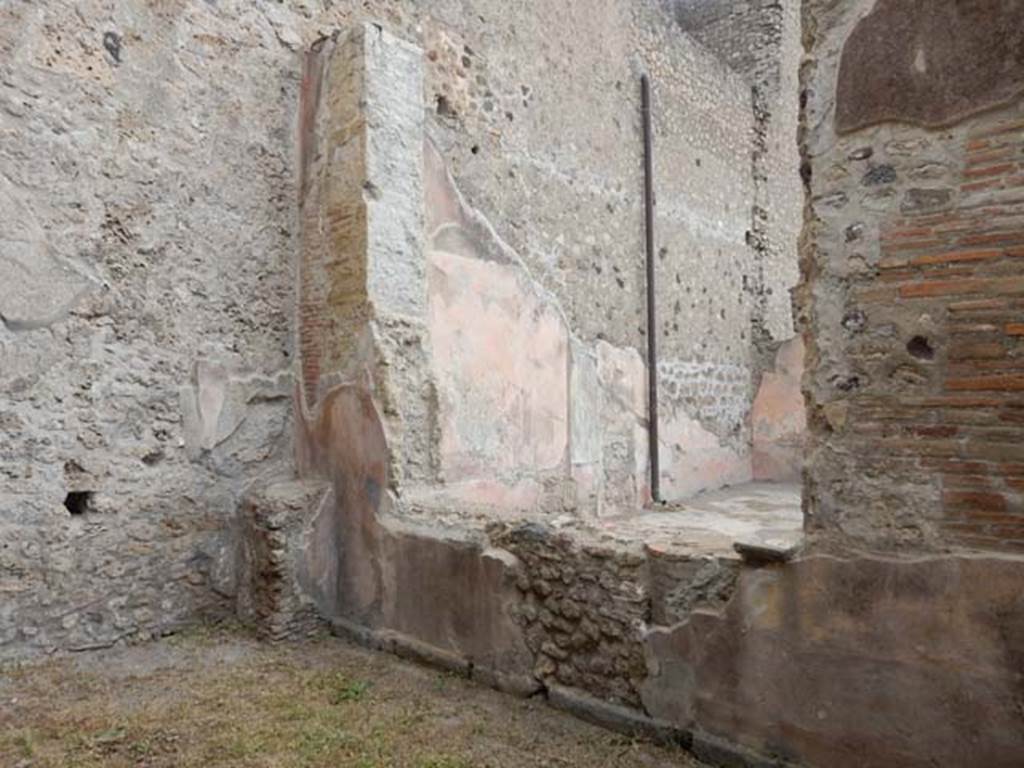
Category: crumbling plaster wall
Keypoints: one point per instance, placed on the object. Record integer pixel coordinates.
(558, 198)
(144, 295)
(760, 40)
(535, 262)
(147, 257)
(829, 659)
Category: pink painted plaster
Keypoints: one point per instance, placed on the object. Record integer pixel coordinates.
(693, 460)
(500, 356)
(779, 418)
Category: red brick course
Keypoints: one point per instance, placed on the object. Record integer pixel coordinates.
(960, 417)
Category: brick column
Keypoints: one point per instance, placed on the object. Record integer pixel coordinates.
(361, 275)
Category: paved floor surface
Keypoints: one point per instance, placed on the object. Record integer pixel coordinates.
(762, 514)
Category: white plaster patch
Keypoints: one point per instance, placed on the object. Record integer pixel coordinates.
(36, 287)
(920, 61)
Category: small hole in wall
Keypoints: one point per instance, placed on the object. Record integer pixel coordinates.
(444, 107)
(920, 348)
(78, 502)
(805, 172)
(475, 149)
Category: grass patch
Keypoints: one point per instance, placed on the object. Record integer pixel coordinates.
(340, 688)
(214, 699)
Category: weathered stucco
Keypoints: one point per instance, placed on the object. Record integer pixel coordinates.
(499, 348)
(153, 311)
(325, 317)
(760, 39)
(932, 64)
(134, 263)
(854, 662)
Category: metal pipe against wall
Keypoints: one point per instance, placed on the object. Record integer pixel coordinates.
(652, 351)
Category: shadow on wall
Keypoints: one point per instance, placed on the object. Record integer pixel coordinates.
(779, 418)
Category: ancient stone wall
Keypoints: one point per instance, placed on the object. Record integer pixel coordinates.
(154, 311)
(874, 658)
(809, 658)
(760, 39)
(154, 256)
(551, 204)
(146, 233)
(533, 396)
(913, 273)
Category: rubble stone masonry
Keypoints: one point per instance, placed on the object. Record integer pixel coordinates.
(321, 318)
(155, 321)
(914, 279)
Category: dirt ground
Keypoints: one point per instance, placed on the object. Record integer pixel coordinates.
(219, 698)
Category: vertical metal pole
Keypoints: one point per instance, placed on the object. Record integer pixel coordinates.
(652, 351)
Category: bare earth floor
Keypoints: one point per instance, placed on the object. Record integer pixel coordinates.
(214, 698)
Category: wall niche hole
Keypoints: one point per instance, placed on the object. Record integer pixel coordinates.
(78, 502)
(445, 108)
(920, 348)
